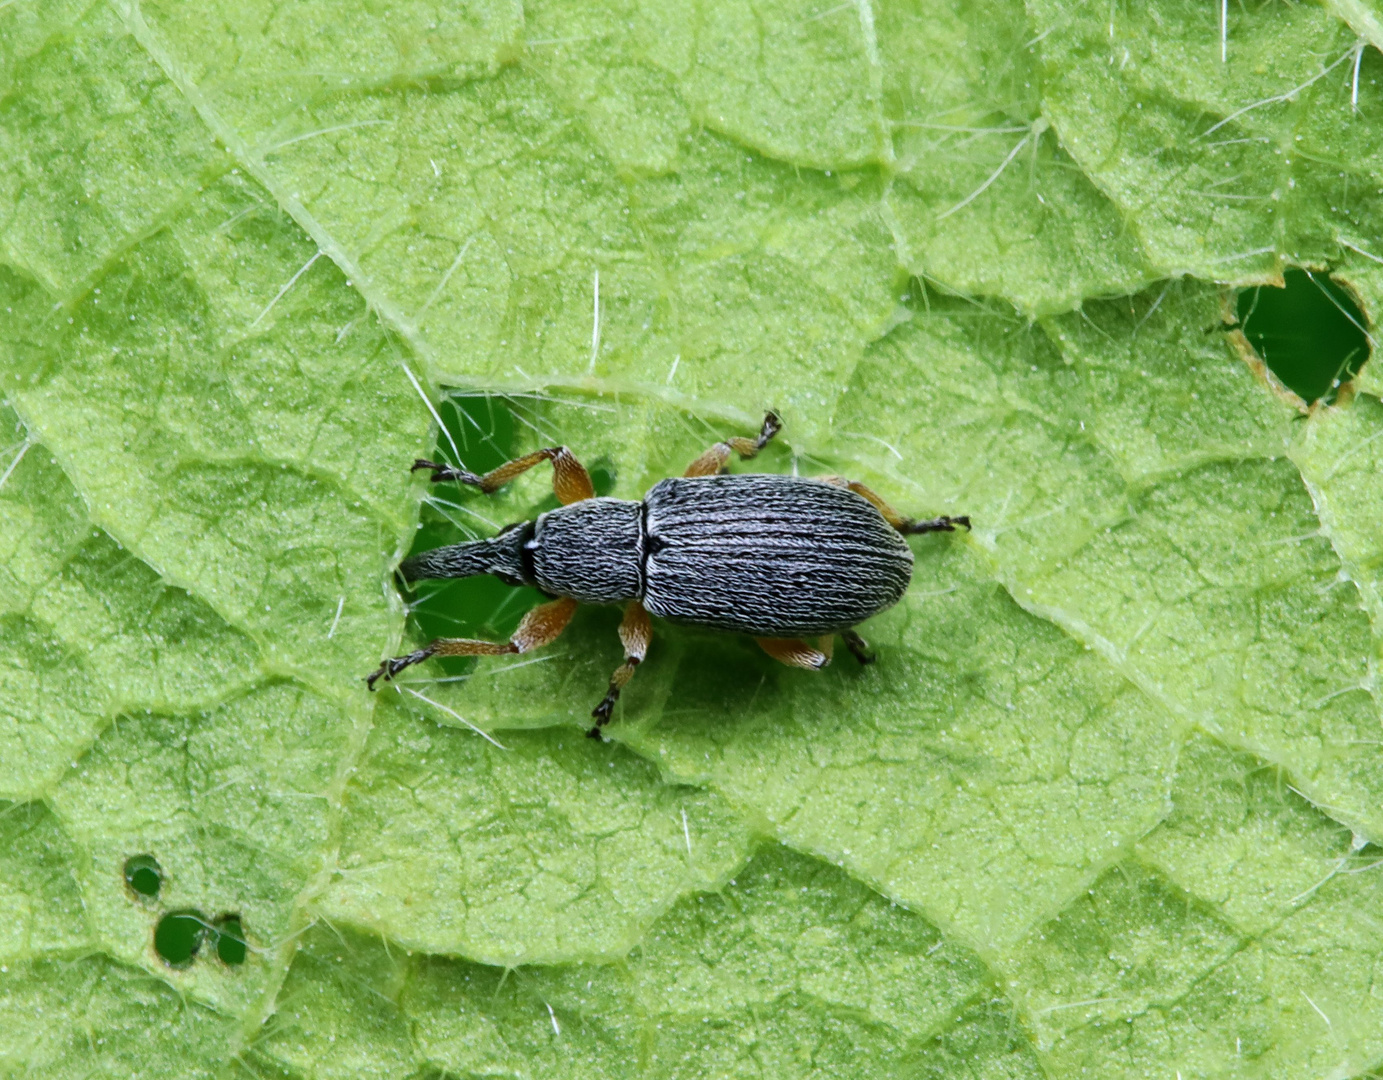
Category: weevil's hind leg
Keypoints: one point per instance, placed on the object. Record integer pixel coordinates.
(794, 652)
(714, 459)
(635, 632)
(541, 626)
(904, 525)
(857, 646)
(936, 524)
(825, 645)
(570, 480)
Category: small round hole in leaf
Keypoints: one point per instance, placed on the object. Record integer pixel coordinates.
(230, 940)
(144, 875)
(602, 477)
(1310, 332)
(178, 936)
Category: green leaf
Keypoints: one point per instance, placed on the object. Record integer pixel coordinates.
(1363, 16)
(98, 1017)
(1227, 147)
(1214, 966)
(985, 198)
(534, 849)
(1107, 802)
(89, 631)
(793, 963)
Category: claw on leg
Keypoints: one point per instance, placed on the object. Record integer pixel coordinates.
(858, 649)
(442, 472)
(635, 633)
(937, 524)
(389, 668)
(570, 480)
(713, 460)
(602, 714)
(904, 525)
(539, 627)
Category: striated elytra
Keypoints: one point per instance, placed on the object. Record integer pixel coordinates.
(779, 557)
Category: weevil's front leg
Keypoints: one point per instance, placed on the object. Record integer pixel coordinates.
(795, 652)
(635, 632)
(539, 627)
(570, 480)
(714, 459)
(903, 524)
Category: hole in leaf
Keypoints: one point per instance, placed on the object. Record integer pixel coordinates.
(230, 940)
(178, 936)
(479, 429)
(482, 428)
(143, 875)
(1310, 332)
(602, 478)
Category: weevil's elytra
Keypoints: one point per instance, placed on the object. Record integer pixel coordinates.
(779, 557)
(772, 556)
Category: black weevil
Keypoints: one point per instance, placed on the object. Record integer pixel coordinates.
(778, 557)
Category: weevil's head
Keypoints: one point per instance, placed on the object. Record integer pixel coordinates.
(502, 555)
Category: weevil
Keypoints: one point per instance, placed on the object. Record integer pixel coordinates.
(781, 558)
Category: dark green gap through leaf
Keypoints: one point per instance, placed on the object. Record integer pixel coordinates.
(1310, 332)
(178, 936)
(143, 875)
(230, 940)
(483, 428)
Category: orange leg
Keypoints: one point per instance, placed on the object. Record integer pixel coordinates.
(635, 633)
(541, 626)
(797, 653)
(713, 460)
(570, 480)
(897, 520)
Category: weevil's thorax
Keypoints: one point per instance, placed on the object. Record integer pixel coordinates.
(591, 551)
